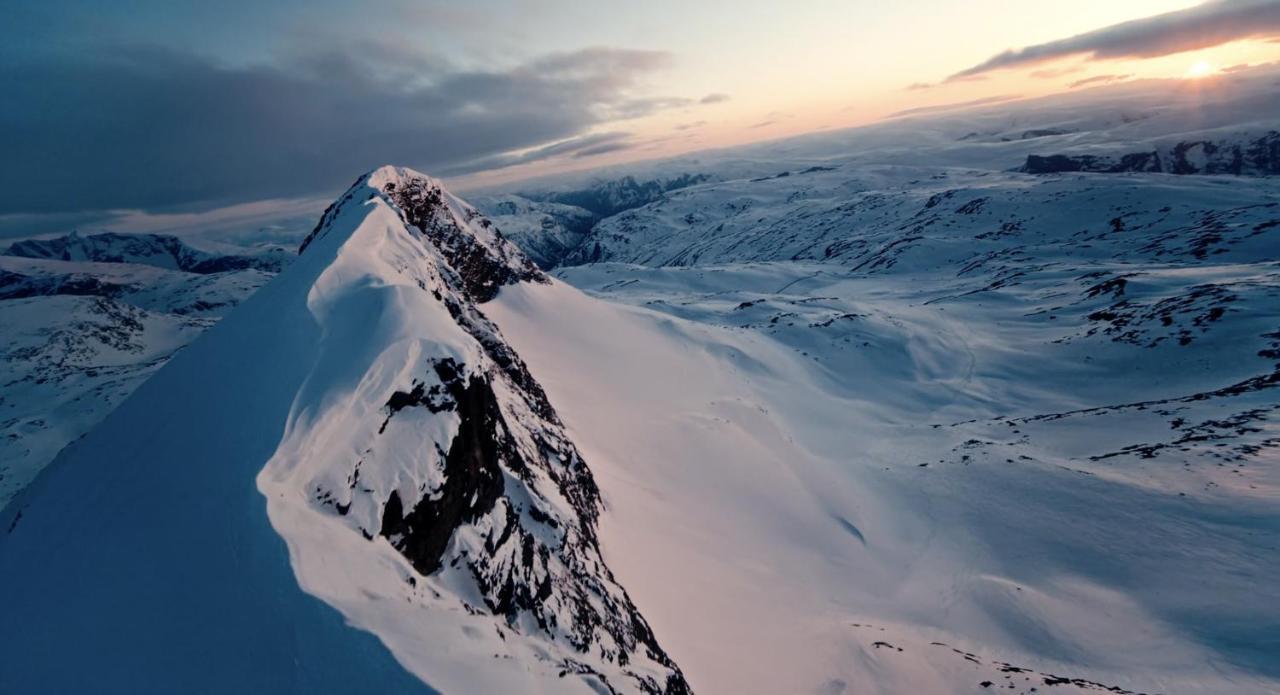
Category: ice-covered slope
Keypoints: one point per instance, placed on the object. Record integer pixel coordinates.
(421, 482)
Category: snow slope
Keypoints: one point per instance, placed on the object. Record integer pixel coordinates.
(775, 521)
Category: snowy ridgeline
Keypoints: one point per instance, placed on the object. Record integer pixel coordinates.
(421, 481)
(860, 412)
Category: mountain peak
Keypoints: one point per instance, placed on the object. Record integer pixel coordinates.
(475, 250)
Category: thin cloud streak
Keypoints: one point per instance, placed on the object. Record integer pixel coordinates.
(1210, 24)
(1052, 73)
(959, 105)
(1098, 79)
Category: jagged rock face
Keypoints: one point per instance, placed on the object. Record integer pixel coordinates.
(483, 265)
(471, 473)
(1249, 157)
(474, 249)
(466, 469)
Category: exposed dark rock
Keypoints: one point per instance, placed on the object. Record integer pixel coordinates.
(472, 479)
(484, 269)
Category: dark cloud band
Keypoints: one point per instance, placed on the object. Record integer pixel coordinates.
(153, 128)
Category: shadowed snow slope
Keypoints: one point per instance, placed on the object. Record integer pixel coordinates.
(420, 480)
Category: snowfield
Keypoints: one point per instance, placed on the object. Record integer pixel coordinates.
(876, 411)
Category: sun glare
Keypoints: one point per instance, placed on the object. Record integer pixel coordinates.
(1200, 68)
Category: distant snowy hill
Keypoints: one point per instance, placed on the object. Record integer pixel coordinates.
(161, 251)
(605, 197)
(1247, 155)
(545, 231)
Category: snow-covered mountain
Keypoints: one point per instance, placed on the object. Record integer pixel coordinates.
(404, 440)
(1243, 156)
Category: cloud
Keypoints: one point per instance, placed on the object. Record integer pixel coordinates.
(602, 149)
(1052, 73)
(690, 126)
(1098, 79)
(148, 128)
(584, 146)
(714, 98)
(919, 86)
(771, 118)
(1209, 24)
(948, 107)
(635, 108)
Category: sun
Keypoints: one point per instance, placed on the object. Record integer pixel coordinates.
(1200, 68)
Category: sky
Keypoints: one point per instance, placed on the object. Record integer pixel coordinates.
(168, 105)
